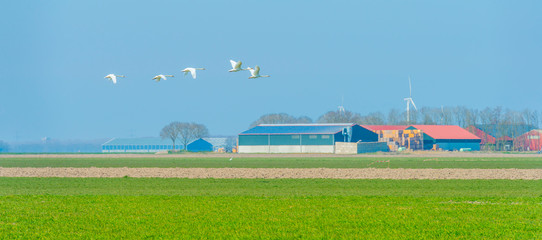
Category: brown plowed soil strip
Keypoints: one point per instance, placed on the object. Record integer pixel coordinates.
(270, 173)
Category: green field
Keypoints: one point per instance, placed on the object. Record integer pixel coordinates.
(118, 208)
(300, 162)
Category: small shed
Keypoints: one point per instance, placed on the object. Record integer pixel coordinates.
(199, 145)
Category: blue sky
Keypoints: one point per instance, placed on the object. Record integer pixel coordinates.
(55, 55)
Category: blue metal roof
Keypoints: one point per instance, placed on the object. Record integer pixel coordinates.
(264, 129)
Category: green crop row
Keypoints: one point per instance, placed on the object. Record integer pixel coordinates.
(128, 208)
(299, 162)
(270, 187)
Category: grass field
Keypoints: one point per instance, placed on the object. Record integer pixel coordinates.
(300, 162)
(116, 208)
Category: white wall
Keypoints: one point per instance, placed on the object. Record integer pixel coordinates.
(131, 151)
(253, 149)
(287, 149)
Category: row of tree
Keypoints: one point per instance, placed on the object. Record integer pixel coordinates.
(461, 116)
(184, 132)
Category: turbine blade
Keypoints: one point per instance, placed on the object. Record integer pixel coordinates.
(409, 87)
(412, 101)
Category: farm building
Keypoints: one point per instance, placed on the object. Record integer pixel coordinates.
(199, 145)
(530, 141)
(486, 139)
(397, 136)
(207, 145)
(447, 137)
(498, 137)
(144, 144)
(156, 144)
(301, 138)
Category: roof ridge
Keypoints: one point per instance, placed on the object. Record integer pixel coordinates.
(304, 124)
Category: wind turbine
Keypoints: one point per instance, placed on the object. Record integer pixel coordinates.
(408, 101)
(341, 108)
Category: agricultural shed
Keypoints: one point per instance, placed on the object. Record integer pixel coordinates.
(505, 130)
(396, 136)
(486, 138)
(499, 137)
(199, 145)
(529, 141)
(447, 137)
(143, 144)
(301, 138)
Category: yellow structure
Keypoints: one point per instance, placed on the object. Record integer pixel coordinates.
(396, 136)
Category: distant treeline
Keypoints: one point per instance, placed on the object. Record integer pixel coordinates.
(461, 116)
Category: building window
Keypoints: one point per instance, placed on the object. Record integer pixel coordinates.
(295, 136)
(534, 137)
(313, 136)
(325, 136)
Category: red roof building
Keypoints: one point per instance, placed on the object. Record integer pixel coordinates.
(530, 141)
(486, 138)
(447, 137)
(446, 132)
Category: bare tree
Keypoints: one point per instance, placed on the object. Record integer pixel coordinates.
(428, 116)
(374, 118)
(280, 118)
(340, 117)
(394, 117)
(304, 119)
(189, 132)
(446, 116)
(170, 131)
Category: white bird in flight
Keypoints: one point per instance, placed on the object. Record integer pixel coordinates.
(192, 71)
(236, 66)
(255, 72)
(113, 77)
(157, 78)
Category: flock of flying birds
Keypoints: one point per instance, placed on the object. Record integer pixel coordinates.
(236, 67)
